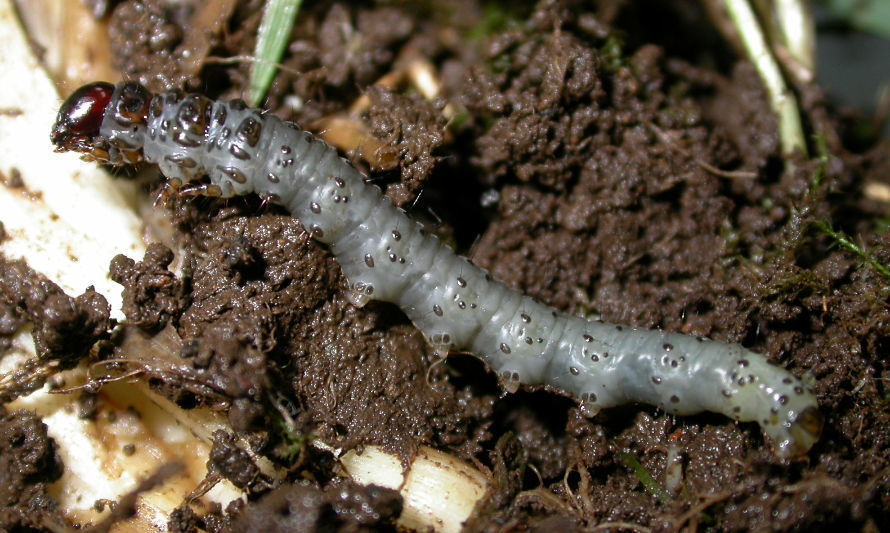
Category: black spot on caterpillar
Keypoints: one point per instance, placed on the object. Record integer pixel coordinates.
(386, 256)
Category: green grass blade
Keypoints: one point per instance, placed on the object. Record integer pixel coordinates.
(649, 483)
(870, 16)
(782, 99)
(275, 29)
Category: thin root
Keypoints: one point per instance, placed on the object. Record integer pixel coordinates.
(707, 167)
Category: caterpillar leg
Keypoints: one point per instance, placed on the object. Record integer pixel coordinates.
(441, 342)
(200, 189)
(359, 294)
(169, 189)
(510, 380)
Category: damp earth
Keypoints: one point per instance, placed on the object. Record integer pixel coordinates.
(592, 161)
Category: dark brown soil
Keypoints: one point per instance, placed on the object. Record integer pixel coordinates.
(65, 328)
(28, 463)
(642, 183)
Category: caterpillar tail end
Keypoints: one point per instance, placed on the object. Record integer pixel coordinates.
(796, 439)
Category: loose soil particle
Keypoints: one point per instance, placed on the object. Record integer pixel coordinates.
(596, 165)
(413, 129)
(344, 507)
(152, 295)
(264, 278)
(235, 464)
(28, 462)
(64, 328)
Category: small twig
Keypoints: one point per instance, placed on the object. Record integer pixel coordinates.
(217, 60)
(697, 509)
(707, 167)
(731, 174)
(127, 504)
(814, 482)
(621, 525)
(544, 498)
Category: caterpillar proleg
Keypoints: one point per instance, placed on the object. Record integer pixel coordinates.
(387, 256)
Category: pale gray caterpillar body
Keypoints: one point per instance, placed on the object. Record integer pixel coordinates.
(387, 256)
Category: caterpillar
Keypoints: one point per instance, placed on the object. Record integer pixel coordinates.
(385, 255)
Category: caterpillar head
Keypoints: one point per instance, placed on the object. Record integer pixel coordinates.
(104, 122)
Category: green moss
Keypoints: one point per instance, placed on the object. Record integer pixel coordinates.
(498, 17)
(841, 240)
(613, 53)
(272, 39)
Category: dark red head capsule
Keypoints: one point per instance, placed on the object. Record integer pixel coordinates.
(80, 117)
